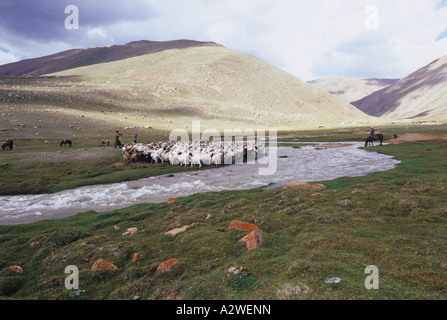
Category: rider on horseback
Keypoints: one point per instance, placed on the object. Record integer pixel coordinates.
(372, 133)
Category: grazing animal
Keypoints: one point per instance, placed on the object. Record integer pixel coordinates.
(8, 145)
(65, 142)
(395, 136)
(103, 142)
(370, 141)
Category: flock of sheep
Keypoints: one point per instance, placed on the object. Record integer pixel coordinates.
(198, 153)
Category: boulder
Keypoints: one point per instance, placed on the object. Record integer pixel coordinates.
(243, 225)
(167, 265)
(17, 269)
(130, 231)
(177, 231)
(300, 185)
(253, 240)
(137, 256)
(103, 265)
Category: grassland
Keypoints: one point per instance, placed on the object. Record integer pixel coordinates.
(395, 220)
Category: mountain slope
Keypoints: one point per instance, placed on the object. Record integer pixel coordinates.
(352, 89)
(83, 57)
(214, 83)
(421, 95)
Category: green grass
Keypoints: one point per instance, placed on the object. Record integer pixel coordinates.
(394, 220)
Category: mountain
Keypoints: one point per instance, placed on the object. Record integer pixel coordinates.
(83, 57)
(212, 83)
(352, 89)
(421, 95)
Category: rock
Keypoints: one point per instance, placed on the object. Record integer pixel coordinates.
(17, 269)
(76, 293)
(209, 215)
(177, 231)
(333, 280)
(253, 240)
(299, 185)
(238, 270)
(167, 265)
(35, 243)
(116, 227)
(243, 225)
(137, 256)
(289, 291)
(130, 231)
(102, 265)
(170, 200)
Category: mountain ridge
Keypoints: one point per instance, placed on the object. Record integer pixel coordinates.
(74, 58)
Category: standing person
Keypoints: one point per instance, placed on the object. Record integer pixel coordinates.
(135, 138)
(117, 139)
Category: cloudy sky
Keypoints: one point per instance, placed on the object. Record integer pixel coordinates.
(309, 39)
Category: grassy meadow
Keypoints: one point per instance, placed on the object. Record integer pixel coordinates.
(395, 220)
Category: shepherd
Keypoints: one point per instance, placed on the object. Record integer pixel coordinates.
(117, 139)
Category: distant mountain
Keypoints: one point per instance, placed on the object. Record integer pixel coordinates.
(352, 89)
(84, 57)
(421, 95)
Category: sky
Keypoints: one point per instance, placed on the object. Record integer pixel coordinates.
(309, 39)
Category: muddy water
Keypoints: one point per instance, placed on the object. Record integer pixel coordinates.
(307, 163)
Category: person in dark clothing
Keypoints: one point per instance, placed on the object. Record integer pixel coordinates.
(372, 134)
(117, 139)
(135, 138)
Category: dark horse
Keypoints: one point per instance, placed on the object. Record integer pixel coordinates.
(8, 144)
(370, 140)
(65, 142)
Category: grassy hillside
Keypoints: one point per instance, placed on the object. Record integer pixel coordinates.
(394, 220)
(421, 96)
(219, 86)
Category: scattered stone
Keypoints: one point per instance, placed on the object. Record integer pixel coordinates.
(17, 269)
(102, 265)
(238, 270)
(137, 256)
(209, 215)
(290, 290)
(298, 185)
(177, 231)
(243, 225)
(253, 240)
(170, 200)
(76, 293)
(130, 231)
(167, 265)
(333, 280)
(116, 227)
(34, 244)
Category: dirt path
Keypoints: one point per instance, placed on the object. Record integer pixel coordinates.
(409, 137)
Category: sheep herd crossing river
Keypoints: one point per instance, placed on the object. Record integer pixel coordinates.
(193, 153)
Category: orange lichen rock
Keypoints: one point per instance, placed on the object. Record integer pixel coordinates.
(170, 200)
(102, 265)
(167, 265)
(137, 256)
(17, 269)
(243, 225)
(253, 240)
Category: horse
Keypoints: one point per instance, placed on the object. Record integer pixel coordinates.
(103, 142)
(8, 145)
(370, 140)
(65, 142)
